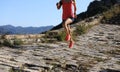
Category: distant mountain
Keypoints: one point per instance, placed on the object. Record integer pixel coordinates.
(9, 29)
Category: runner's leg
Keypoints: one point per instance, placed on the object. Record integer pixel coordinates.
(65, 25)
(71, 39)
(68, 31)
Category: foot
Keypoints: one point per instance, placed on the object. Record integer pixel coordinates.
(71, 44)
(67, 38)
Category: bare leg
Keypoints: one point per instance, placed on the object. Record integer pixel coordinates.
(67, 29)
(70, 33)
(65, 25)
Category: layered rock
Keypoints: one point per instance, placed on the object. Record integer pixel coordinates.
(96, 51)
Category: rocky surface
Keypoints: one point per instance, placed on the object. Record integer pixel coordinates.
(96, 51)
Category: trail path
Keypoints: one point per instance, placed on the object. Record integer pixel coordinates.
(95, 51)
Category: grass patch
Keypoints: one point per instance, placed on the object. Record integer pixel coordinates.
(17, 42)
(82, 29)
(7, 43)
(61, 36)
(114, 11)
(51, 37)
(11, 43)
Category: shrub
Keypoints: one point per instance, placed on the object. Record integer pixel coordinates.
(3, 36)
(108, 15)
(49, 37)
(115, 10)
(61, 36)
(18, 42)
(54, 36)
(7, 43)
(81, 29)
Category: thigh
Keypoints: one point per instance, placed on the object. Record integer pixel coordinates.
(68, 21)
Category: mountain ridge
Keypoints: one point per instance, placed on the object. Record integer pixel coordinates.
(94, 8)
(9, 29)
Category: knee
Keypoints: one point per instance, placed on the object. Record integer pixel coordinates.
(65, 24)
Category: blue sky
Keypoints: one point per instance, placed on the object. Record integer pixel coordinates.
(34, 13)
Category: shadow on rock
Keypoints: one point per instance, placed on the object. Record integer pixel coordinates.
(110, 70)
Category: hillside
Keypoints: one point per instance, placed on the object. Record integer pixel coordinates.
(9, 29)
(96, 49)
(94, 8)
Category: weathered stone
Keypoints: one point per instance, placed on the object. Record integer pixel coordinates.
(96, 50)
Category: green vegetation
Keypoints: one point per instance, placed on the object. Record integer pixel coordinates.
(81, 29)
(5, 42)
(11, 70)
(54, 36)
(48, 37)
(114, 11)
(61, 36)
(3, 36)
(9, 43)
(17, 42)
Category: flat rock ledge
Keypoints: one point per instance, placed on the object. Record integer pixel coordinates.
(96, 51)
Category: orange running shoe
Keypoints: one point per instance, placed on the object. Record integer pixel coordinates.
(67, 38)
(71, 44)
